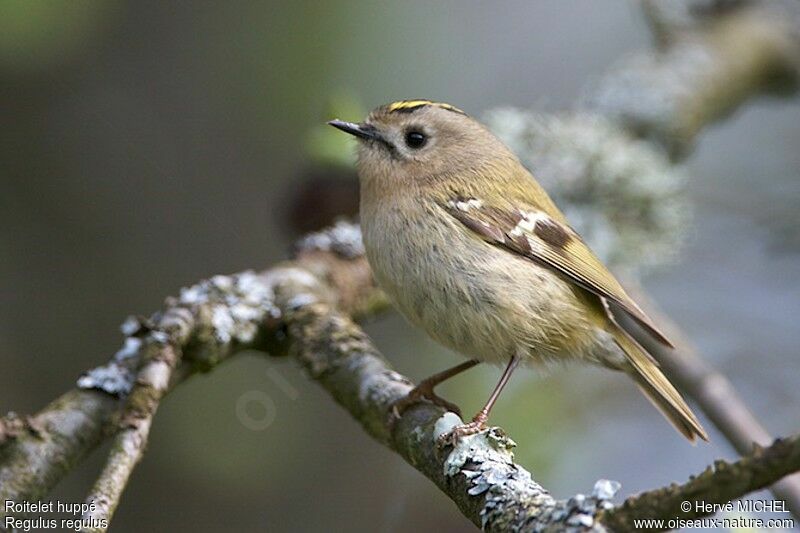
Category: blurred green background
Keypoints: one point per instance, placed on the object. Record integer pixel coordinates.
(149, 144)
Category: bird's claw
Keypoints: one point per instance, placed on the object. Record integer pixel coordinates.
(451, 437)
(418, 394)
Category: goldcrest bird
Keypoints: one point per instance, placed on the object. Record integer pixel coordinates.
(471, 249)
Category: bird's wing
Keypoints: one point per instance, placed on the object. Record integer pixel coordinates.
(531, 232)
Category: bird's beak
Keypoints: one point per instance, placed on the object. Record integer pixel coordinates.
(362, 131)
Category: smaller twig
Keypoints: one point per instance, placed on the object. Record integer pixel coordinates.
(130, 441)
(714, 394)
(69, 427)
(716, 485)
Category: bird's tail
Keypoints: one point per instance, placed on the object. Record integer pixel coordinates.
(655, 385)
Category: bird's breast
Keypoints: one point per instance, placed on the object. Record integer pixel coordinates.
(467, 294)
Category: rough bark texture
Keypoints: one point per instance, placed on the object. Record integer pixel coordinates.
(209, 323)
(718, 484)
(31, 463)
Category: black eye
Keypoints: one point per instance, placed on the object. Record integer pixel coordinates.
(416, 139)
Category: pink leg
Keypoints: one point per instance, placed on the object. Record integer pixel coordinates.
(478, 422)
(425, 390)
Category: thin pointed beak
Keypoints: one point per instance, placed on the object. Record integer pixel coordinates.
(362, 131)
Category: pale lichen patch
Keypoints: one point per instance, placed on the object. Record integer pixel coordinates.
(222, 309)
(513, 501)
(605, 489)
(111, 378)
(239, 304)
(489, 446)
(343, 239)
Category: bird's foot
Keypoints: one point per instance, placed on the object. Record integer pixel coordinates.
(422, 392)
(451, 438)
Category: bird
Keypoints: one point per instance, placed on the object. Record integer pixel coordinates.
(470, 248)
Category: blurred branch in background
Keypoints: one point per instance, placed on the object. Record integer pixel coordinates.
(714, 55)
(639, 119)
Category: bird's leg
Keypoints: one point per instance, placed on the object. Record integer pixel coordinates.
(425, 391)
(478, 422)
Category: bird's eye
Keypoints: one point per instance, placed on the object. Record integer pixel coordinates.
(415, 139)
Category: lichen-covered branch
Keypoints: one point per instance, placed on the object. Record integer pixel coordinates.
(129, 442)
(479, 475)
(208, 323)
(33, 462)
(610, 162)
(715, 395)
(298, 313)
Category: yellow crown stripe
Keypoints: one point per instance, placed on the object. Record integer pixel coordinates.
(405, 104)
(410, 104)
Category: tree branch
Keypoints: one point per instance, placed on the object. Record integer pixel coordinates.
(209, 323)
(714, 393)
(479, 475)
(32, 463)
(129, 443)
